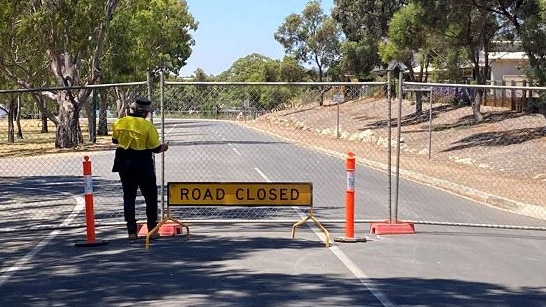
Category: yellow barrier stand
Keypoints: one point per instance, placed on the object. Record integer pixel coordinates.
(310, 216)
(251, 194)
(165, 219)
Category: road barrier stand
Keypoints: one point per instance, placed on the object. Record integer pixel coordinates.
(245, 194)
(350, 203)
(167, 226)
(89, 212)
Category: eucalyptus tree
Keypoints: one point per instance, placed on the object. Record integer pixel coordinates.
(409, 42)
(258, 68)
(524, 21)
(69, 38)
(19, 64)
(311, 37)
(251, 68)
(464, 27)
(292, 71)
(147, 37)
(364, 24)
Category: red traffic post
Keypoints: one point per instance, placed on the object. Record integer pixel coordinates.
(350, 203)
(89, 210)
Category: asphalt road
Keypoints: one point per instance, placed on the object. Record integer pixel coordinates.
(260, 264)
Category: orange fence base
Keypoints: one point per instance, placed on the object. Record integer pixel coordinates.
(168, 229)
(386, 228)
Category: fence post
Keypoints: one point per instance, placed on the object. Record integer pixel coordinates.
(89, 211)
(393, 225)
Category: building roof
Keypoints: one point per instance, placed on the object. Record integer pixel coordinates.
(507, 56)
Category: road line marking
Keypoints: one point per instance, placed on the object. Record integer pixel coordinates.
(170, 130)
(7, 273)
(349, 264)
(262, 174)
(235, 149)
(361, 276)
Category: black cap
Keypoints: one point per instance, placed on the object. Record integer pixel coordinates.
(142, 104)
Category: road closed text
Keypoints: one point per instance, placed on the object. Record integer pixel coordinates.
(249, 194)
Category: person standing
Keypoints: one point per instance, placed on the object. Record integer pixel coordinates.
(137, 138)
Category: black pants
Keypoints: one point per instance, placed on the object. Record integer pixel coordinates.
(132, 180)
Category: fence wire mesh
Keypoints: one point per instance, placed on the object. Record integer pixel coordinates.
(259, 132)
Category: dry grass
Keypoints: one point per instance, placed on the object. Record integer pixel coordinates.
(34, 142)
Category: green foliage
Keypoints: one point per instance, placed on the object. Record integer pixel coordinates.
(359, 57)
(365, 25)
(258, 68)
(149, 36)
(312, 38)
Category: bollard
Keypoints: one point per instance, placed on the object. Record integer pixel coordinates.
(89, 210)
(350, 202)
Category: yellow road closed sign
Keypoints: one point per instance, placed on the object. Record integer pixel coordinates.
(240, 194)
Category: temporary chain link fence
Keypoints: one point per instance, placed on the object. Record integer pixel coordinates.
(42, 186)
(404, 135)
(229, 148)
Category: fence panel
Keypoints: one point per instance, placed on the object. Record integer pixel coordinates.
(216, 134)
(498, 160)
(42, 186)
(277, 132)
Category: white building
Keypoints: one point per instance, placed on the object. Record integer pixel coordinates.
(507, 66)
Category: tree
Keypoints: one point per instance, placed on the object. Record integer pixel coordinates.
(291, 70)
(408, 41)
(147, 36)
(311, 37)
(69, 38)
(19, 64)
(364, 24)
(465, 27)
(524, 21)
(150, 36)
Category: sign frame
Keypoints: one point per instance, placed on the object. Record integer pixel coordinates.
(246, 194)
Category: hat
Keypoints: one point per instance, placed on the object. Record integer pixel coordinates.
(142, 104)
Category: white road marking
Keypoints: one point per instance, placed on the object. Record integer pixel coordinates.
(7, 273)
(170, 130)
(349, 264)
(262, 174)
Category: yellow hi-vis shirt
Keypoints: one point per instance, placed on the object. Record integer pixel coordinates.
(133, 132)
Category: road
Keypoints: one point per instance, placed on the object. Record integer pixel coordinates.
(258, 263)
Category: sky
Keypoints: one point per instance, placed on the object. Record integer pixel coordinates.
(231, 29)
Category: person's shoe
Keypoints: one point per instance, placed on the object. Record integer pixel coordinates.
(133, 236)
(155, 236)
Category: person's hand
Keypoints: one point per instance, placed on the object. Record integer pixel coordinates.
(164, 147)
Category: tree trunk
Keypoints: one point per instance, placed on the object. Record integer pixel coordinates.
(418, 103)
(102, 128)
(17, 116)
(476, 105)
(44, 124)
(43, 116)
(90, 120)
(68, 133)
(542, 109)
(11, 127)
